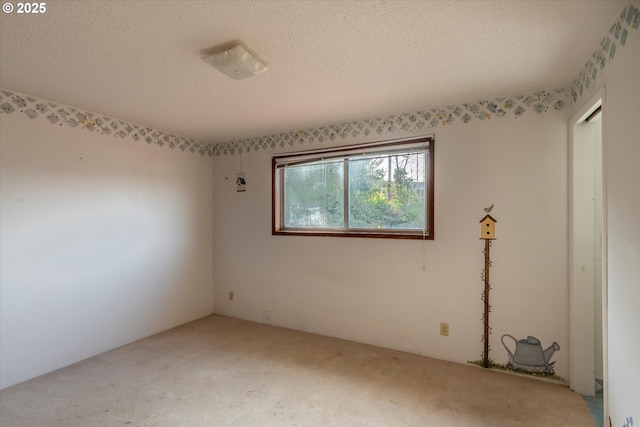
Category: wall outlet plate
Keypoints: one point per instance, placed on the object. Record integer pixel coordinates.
(444, 329)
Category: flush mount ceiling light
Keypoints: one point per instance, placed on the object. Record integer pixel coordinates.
(235, 61)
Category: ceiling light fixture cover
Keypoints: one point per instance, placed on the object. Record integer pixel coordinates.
(236, 62)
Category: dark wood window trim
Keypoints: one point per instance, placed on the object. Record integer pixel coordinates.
(427, 234)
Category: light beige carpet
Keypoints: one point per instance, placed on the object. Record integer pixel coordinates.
(220, 371)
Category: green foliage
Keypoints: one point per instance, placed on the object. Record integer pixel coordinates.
(384, 203)
(314, 194)
(509, 368)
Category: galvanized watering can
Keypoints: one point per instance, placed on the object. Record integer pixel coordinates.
(529, 355)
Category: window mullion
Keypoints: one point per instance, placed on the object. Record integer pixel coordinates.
(281, 200)
(346, 194)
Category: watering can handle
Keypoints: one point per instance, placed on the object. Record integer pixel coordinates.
(505, 346)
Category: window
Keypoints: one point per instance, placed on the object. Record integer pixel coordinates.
(372, 190)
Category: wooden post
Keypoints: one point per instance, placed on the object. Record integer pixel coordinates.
(487, 261)
(487, 233)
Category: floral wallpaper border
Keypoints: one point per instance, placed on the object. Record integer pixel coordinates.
(416, 121)
(585, 83)
(57, 114)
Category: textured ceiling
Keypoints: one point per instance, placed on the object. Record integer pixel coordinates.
(330, 61)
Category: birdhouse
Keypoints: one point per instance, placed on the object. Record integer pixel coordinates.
(241, 183)
(488, 228)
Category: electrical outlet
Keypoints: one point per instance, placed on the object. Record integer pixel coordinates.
(266, 315)
(444, 329)
(230, 295)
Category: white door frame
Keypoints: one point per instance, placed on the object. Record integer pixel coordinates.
(578, 371)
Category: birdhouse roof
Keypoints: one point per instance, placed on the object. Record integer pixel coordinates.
(488, 216)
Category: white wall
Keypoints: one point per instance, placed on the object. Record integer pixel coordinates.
(374, 290)
(103, 242)
(621, 139)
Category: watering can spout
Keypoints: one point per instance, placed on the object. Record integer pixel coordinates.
(549, 351)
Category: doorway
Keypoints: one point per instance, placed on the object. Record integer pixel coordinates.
(587, 253)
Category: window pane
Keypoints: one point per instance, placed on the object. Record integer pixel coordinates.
(387, 192)
(314, 195)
